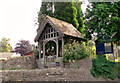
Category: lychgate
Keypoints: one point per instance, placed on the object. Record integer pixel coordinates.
(51, 38)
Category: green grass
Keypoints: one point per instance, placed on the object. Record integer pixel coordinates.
(15, 69)
(18, 69)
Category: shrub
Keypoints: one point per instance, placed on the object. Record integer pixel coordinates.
(36, 53)
(74, 51)
(105, 68)
(118, 59)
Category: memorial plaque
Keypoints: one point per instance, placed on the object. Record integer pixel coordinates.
(104, 48)
(108, 47)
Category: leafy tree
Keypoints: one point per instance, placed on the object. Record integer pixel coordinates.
(4, 45)
(67, 12)
(46, 8)
(70, 12)
(80, 17)
(23, 47)
(117, 21)
(103, 18)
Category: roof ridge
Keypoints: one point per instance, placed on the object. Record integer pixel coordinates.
(63, 27)
(57, 19)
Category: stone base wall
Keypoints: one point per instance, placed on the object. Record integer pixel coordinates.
(30, 62)
(23, 62)
(48, 74)
(84, 63)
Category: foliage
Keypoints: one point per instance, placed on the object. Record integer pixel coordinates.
(80, 19)
(4, 45)
(103, 18)
(40, 19)
(91, 49)
(45, 9)
(118, 59)
(105, 68)
(72, 13)
(66, 13)
(36, 52)
(23, 47)
(74, 51)
(50, 48)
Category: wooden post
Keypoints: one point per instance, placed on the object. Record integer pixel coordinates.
(43, 53)
(62, 45)
(50, 61)
(57, 49)
(62, 51)
(39, 62)
(39, 50)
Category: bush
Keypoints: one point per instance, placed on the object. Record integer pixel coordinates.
(105, 68)
(36, 53)
(118, 59)
(74, 51)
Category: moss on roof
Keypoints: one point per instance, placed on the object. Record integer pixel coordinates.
(62, 26)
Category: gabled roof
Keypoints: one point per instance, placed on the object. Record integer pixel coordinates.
(62, 26)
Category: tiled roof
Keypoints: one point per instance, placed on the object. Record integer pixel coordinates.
(62, 26)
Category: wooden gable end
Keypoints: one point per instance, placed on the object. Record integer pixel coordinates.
(49, 32)
(44, 30)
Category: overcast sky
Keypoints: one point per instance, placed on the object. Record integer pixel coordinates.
(17, 19)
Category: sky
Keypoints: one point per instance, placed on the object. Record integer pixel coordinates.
(18, 18)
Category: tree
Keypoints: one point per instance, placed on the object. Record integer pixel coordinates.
(66, 13)
(46, 8)
(80, 17)
(4, 45)
(103, 19)
(117, 20)
(70, 12)
(23, 47)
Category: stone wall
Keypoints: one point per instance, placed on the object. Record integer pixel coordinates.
(30, 62)
(48, 74)
(23, 62)
(84, 63)
(53, 74)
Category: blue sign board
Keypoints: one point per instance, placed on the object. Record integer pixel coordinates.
(104, 47)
